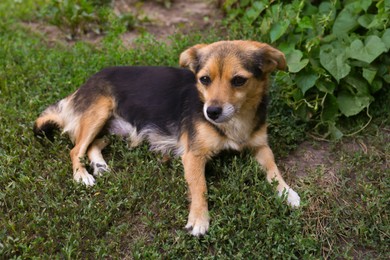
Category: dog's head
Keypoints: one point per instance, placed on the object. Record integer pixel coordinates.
(232, 76)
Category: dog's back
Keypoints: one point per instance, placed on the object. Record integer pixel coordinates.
(147, 98)
(159, 97)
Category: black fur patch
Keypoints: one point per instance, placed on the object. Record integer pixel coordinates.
(261, 113)
(46, 130)
(160, 97)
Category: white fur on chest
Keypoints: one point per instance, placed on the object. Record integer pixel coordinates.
(238, 133)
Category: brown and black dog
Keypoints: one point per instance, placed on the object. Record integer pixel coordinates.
(217, 101)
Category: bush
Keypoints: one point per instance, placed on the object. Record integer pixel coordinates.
(337, 53)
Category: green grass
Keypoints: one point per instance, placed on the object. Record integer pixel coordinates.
(139, 209)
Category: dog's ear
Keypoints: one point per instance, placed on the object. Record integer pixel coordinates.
(269, 58)
(190, 57)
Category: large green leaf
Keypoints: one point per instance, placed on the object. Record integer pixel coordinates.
(330, 108)
(295, 62)
(387, 5)
(306, 80)
(345, 22)
(364, 4)
(369, 51)
(369, 74)
(278, 29)
(376, 85)
(305, 23)
(254, 12)
(350, 104)
(369, 21)
(358, 86)
(386, 38)
(333, 58)
(326, 86)
(335, 133)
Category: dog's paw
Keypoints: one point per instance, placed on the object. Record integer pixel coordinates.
(83, 176)
(198, 226)
(99, 168)
(293, 198)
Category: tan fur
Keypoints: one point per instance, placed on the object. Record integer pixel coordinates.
(90, 125)
(194, 167)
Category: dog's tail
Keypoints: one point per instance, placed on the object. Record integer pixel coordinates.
(50, 120)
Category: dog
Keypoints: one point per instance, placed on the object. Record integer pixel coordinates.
(216, 101)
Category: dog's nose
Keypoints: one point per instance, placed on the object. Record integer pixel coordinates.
(214, 112)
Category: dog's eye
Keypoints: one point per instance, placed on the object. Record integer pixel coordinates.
(238, 81)
(205, 80)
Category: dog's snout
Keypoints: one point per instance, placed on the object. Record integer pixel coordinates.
(213, 112)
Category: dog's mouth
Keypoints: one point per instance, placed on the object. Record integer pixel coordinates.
(218, 114)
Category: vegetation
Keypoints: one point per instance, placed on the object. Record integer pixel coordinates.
(76, 17)
(337, 52)
(139, 209)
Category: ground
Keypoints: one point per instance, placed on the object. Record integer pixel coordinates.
(153, 17)
(180, 17)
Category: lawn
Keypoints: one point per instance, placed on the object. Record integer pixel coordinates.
(139, 209)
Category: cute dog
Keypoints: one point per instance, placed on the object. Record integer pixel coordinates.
(217, 101)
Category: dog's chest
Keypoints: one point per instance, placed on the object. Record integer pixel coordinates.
(237, 133)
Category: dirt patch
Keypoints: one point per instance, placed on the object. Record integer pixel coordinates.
(325, 156)
(151, 16)
(309, 156)
(181, 17)
(53, 35)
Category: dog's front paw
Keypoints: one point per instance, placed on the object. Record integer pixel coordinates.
(293, 198)
(99, 168)
(81, 175)
(198, 226)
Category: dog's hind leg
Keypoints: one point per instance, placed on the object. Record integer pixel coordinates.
(91, 123)
(95, 156)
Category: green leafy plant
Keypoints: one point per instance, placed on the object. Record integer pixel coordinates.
(337, 53)
(77, 17)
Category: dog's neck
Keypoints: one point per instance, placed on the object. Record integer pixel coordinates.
(238, 130)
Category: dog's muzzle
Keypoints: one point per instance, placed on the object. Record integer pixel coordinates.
(218, 114)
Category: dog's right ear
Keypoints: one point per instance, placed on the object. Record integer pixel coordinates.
(190, 57)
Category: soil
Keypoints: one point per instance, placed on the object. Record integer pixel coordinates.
(153, 17)
(308, 157)
(180, 17)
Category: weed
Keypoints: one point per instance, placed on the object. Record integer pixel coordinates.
(77, 16)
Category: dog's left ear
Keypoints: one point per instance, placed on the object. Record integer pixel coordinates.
(190, 57)
(269, 58)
